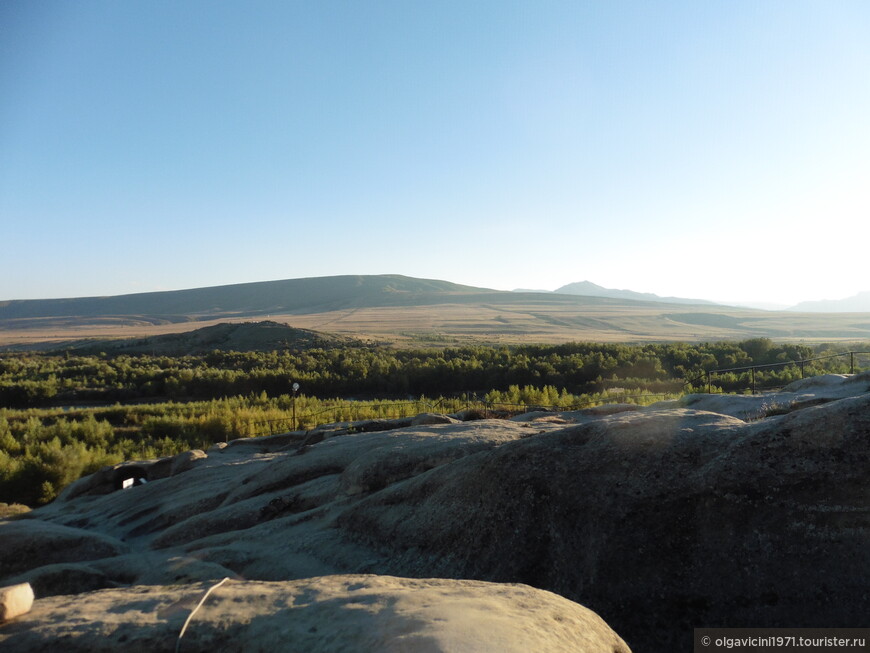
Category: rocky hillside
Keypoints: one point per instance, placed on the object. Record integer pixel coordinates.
(711, 511)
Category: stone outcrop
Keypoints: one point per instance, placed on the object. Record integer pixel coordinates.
(710, 511)
(25, 544)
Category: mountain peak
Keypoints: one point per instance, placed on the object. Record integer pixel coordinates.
(576, 287)
(859, 303)
(594, 290)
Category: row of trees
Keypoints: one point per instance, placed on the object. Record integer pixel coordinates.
(32, 380)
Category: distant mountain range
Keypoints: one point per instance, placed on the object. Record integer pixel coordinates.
(859, 303)
(321, 294)
(300, 296)
(400, 309)
(589, 289)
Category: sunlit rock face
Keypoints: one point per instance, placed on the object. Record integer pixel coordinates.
(359, 613)
(706, 512)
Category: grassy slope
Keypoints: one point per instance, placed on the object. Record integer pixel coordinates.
(316, 294)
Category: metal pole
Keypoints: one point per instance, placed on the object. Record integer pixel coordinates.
(295, 388)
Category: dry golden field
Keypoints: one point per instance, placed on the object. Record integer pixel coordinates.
(492, 322)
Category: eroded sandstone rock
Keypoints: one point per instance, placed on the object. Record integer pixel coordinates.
(30, 543)
(360, 613)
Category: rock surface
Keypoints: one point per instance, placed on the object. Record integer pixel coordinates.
(710, 511)
(359, 614)
(25, 544)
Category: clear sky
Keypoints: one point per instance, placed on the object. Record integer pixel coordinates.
(716, 149)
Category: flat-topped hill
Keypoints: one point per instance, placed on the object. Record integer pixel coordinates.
(310, 295)
(265, 335)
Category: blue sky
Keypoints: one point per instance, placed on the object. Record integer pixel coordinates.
(713, 149)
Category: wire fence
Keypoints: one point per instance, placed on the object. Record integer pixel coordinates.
(753, 378)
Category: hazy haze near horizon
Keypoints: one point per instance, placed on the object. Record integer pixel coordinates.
(706, 150)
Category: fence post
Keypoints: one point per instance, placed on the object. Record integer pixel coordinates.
(851, 362)
(802, 368)
(753, 380)
(709, 383)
